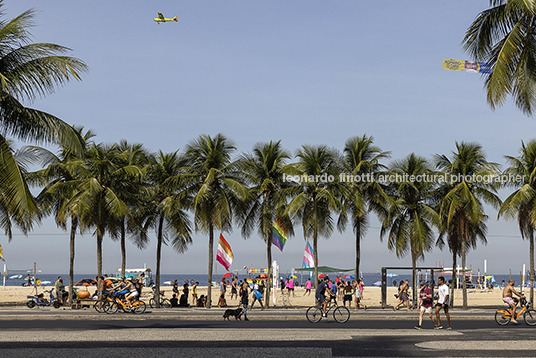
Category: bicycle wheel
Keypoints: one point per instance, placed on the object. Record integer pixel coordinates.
(341, 314)
(152, 303)
(314, 314)
(100, 305)
(503, 317)
(138, 307)
(530, 317)
(165, 303)
(111, 307)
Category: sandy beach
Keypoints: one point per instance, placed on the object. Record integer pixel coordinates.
(16, 296)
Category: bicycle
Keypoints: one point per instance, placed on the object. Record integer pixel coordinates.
(164, 302)
(102, 305)
(341, 314)
(137, 307)
(504, 316)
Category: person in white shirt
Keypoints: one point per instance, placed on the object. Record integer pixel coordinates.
(442, 302)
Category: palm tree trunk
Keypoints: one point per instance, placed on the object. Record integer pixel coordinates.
(531, 250)
(99, 253)
(74, 225)
(270, 279)
(464, 258)
(123, 249)
(159, 240)
(414, 278)
(210, 264)
(357, 248)
(453, 283)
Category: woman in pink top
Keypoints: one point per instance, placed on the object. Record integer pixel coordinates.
(290, 286)
(308, 287)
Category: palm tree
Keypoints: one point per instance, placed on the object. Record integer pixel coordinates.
(166, 207)
(454, 241)
(17, 205)
(130, 188)
(27, 71)
(317, 196)
(265, 169)
(217, 189)
(57, 182)
(504, 37)
(97, 202)
(461, 206)
(411, 218)
(521, 204)
(361, 165)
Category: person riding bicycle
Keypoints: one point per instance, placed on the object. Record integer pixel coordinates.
(510, 300)
(320, 295)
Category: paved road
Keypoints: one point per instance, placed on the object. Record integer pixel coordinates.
(168, 334)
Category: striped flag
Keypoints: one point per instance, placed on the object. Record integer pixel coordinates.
(225, 254)
(2, 254)
(279, 234)
(308, 256)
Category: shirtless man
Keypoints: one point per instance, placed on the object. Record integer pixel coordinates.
(511, 301)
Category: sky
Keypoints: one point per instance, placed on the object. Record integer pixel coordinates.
(301, 71)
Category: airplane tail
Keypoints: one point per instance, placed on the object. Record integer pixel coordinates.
(175, 18)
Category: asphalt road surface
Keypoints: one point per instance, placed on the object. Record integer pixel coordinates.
(88, 336)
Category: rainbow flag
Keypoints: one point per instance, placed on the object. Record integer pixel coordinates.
(2, 253)
(308, 256)
(225, 254)
(279, 234)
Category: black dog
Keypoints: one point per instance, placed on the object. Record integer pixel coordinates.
(236, 313)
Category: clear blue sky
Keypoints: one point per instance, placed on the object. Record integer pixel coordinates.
(315, 72)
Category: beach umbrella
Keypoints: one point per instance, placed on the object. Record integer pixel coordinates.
(349, 277)
(321, 275)
(392, 275)
(293, 276)
(377, 283)
(86, 282)
(228, 274)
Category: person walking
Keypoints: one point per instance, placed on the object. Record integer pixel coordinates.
(194, 293)
(234, 288)
(258, 290)
(359, 294)
(403, 295)
(425, 304)
(348, 294)
(244, 299)
(308, 287)
(442, 302)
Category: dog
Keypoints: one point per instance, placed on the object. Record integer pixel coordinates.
(237, 313)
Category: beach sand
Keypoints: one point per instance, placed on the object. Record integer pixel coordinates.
(16, 296)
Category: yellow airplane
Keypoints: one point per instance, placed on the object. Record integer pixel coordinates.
(161, 18)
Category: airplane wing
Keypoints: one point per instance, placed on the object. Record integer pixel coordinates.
(160, 16)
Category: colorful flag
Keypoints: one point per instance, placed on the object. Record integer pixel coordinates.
(225, 254)
(308, 256)
(279, 234)
(2, 253)
(466, 66)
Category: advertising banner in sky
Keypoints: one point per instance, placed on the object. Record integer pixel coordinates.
(465, 66)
